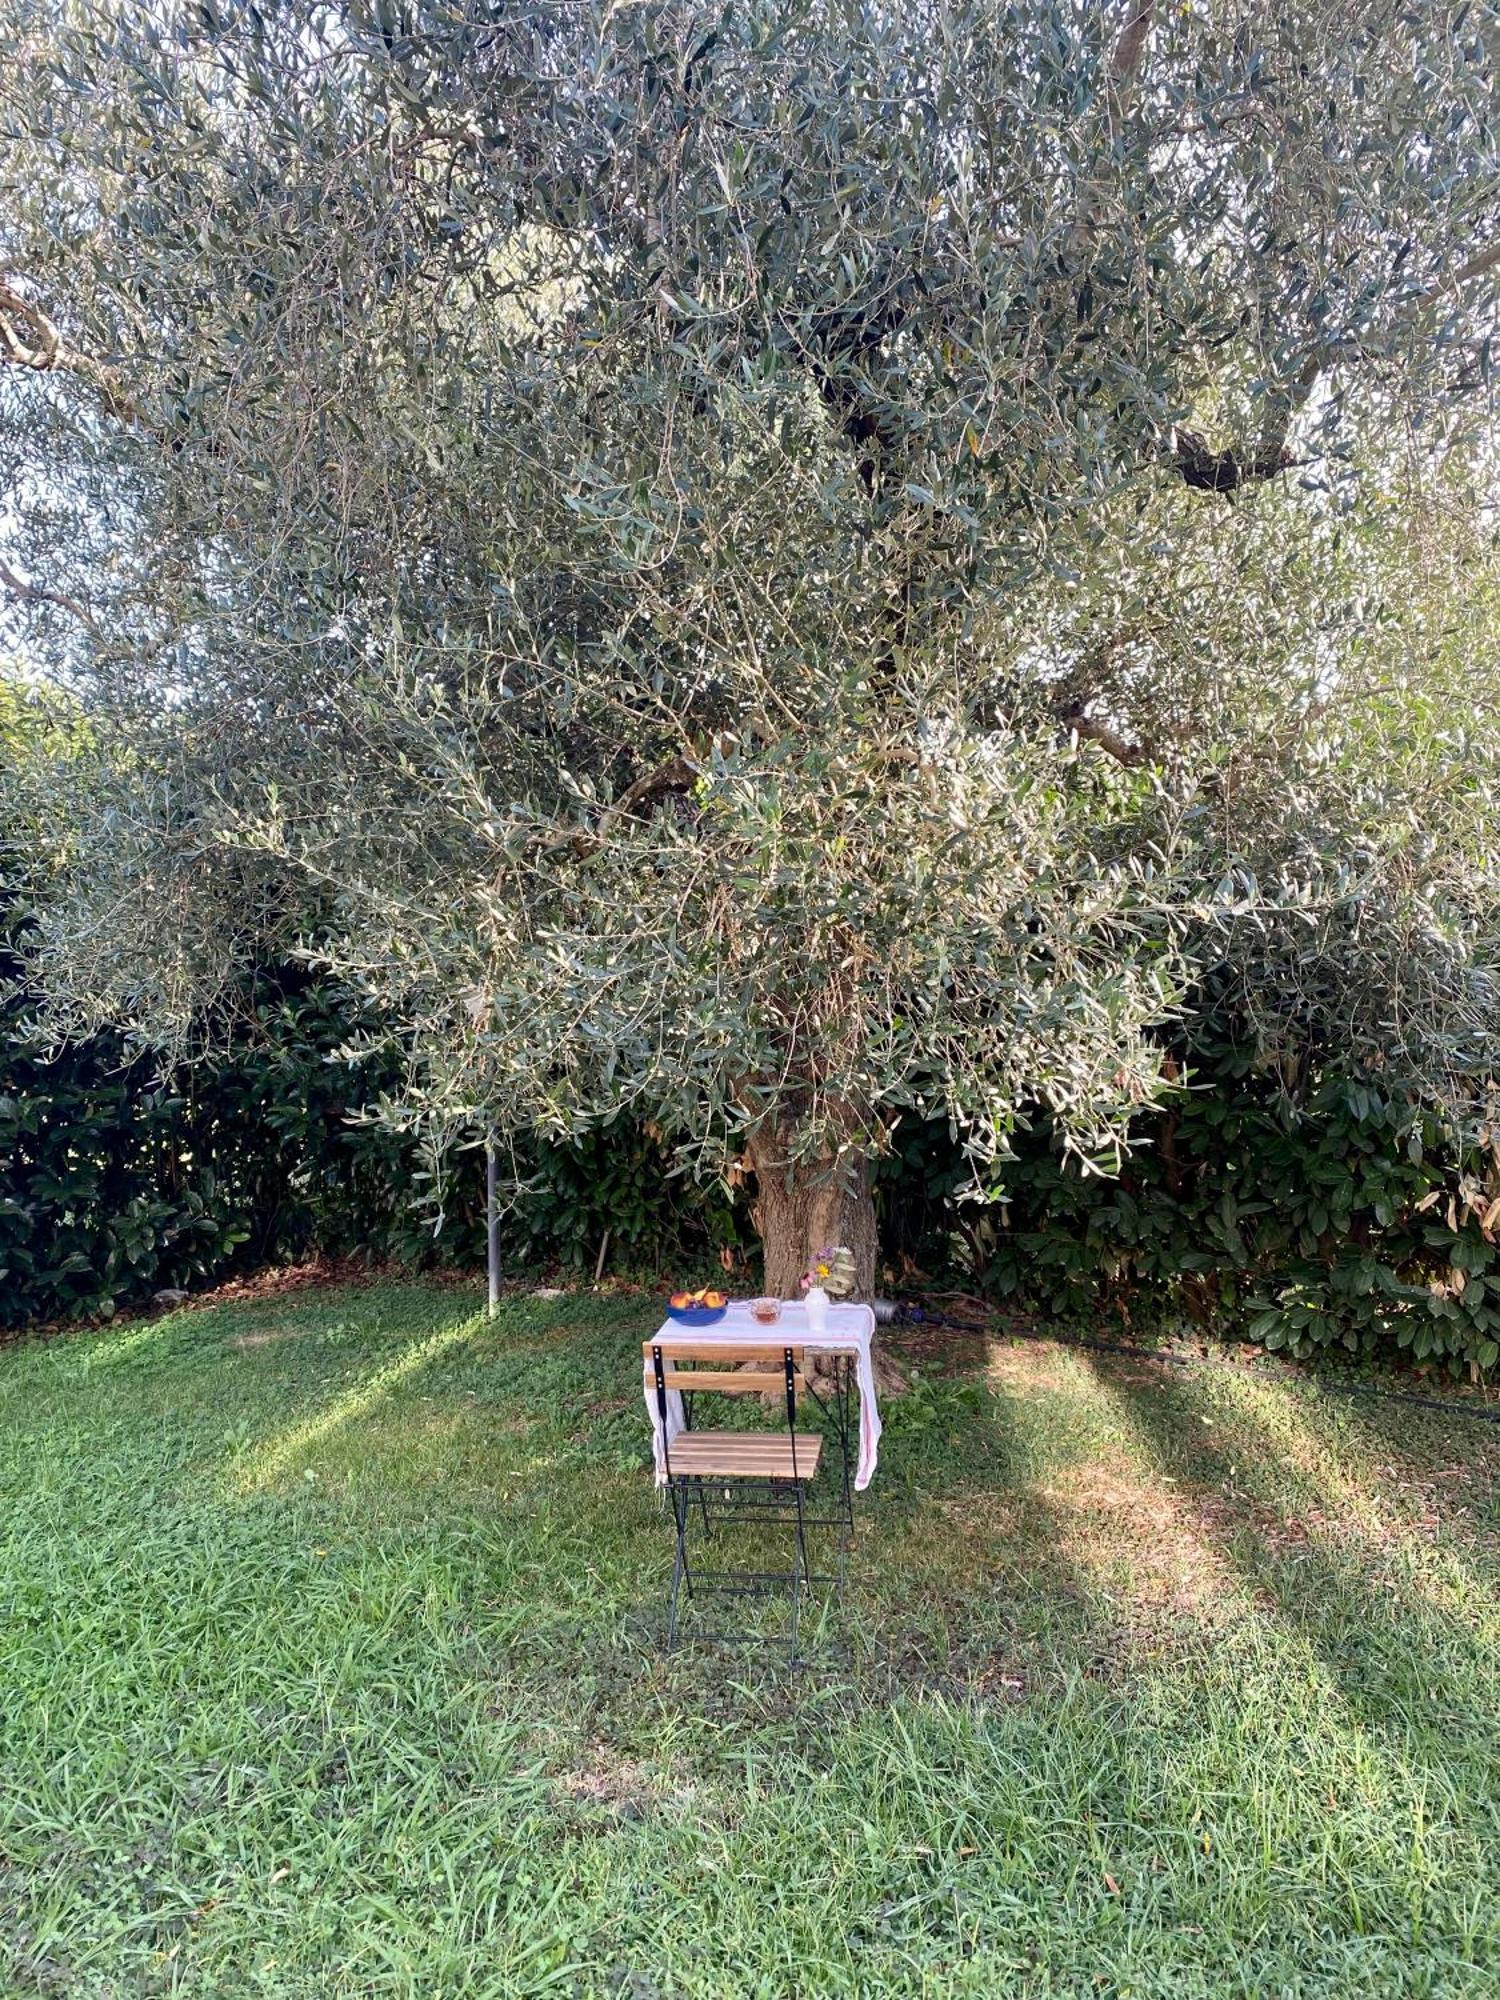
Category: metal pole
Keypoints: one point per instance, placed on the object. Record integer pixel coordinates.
(492, 1224)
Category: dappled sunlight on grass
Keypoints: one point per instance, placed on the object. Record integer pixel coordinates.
(268, 1462)
(1400, 1637)
(1046, 1546)
(1319, 1625)
(1031, 1368)
(1094, 1719)
(1302, 1474)
(1333, 1493)
(1131, 1534)
(1117, 1518)
(127, 1344)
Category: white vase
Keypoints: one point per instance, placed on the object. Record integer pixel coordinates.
(816, 1301)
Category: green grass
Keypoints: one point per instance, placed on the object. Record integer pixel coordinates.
(330, 1665)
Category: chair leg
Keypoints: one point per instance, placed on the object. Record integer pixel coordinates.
(689, 1496)
(798, 1557)
(802, 1559)
(680, 1568)
(800, 1567)
(846, 1440)
(844, 1432)
(845, 1537)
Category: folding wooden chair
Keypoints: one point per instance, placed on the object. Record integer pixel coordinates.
(720, 1477)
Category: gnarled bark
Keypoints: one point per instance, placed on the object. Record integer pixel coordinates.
(803, 1207)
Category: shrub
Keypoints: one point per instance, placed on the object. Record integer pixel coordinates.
(1318, 1211)
(121, 1179)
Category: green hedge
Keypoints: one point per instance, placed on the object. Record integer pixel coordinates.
(120, 1180)
(1324, 1213)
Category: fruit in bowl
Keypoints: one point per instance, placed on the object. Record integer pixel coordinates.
(700, 1308)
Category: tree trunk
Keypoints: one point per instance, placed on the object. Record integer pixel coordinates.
(801, 1209)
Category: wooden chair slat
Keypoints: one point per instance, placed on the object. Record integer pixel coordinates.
(737, 1382)
(673, 1349)
(745, 1455)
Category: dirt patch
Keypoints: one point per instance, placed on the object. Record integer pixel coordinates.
(936, 1350)
(605, 1778)
(999, 1680)
(315, 1275)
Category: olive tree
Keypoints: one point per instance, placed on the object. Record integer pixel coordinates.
(758, 565)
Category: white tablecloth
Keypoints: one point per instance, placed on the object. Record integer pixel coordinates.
(850, 1330)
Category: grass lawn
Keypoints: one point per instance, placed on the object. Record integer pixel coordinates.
(330, 1665)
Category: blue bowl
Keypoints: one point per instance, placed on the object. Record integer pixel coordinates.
(696, 1315)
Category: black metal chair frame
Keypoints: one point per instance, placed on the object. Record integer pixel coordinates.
(744, 1500)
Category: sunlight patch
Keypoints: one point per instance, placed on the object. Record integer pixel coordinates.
(1114, 1522)
(263, 1467)
(1029, 1366)
(1388, 1518)
(113, 1349)
(264, 1336)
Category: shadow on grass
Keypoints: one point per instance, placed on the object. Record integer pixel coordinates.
(1007, 1549)
(957, 1579)
(1083, 1745)
(1399, 1630)
(1443, 1473)
(971, 1580)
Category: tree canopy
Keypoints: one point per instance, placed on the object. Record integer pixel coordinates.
(770, 564)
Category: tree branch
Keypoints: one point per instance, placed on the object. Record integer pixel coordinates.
(1225, 471)
(1476, 267)
(678, 776)
(1094, 729)
(29, 339)
(1125, 63)
(32, 593)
